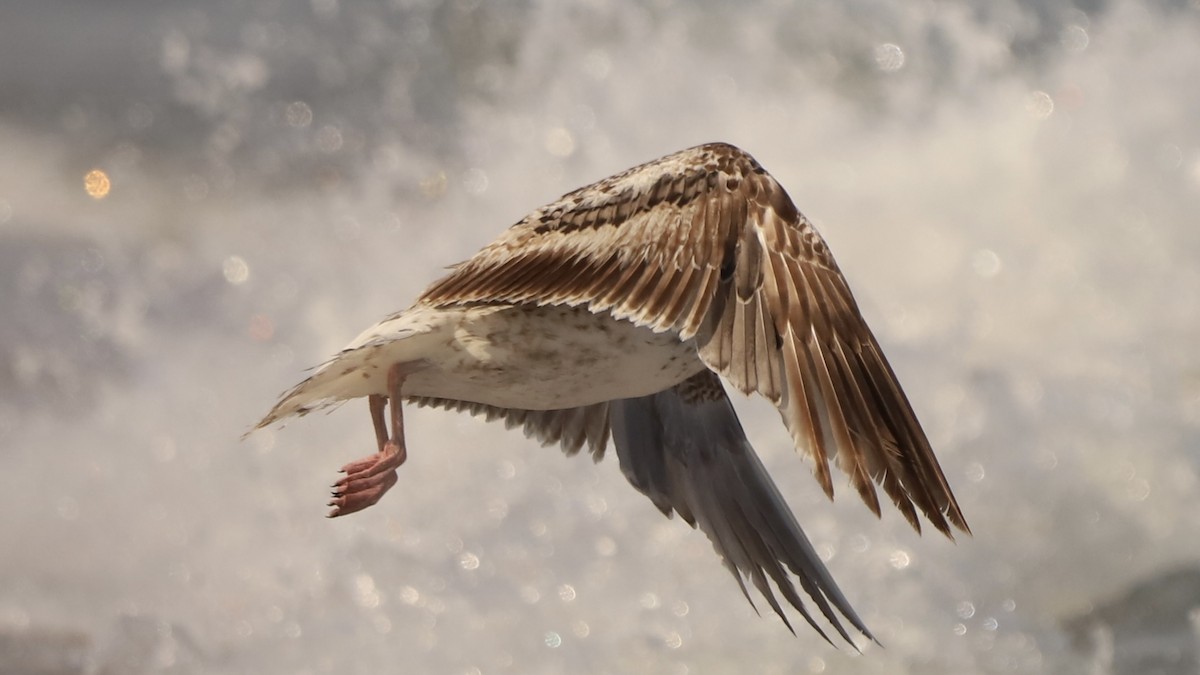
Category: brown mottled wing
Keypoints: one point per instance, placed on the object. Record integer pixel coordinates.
(705, 243)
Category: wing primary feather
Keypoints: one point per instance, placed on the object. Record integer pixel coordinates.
(883, 460)
(911, 471)
(938, 501)
(904, 430)
(833, 390)
(760, 582)
(798, 414)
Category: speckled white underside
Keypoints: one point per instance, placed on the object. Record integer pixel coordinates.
(511, 356)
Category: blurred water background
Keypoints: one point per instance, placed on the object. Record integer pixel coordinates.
(200, 200)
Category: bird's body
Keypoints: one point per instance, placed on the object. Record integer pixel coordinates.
(524, 357)
(611, 312)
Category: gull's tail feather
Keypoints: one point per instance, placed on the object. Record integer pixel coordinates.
(358, 370)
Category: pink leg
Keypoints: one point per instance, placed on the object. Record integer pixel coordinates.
(378, 404)
(367, 479)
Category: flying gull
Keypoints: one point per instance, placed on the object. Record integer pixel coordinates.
(616, 311)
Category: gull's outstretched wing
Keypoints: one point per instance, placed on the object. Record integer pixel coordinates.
(705, 243)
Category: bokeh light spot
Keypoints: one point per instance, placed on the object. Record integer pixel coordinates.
(298, 114)
(434, 185)
(975, 472)
(598, 64)
(97, 184)
(1074, 38)
(606, 547)
(986, 263)
(475, 181)
(236, 270)
(368, 593)
(560, 143)
(1039, 105)
(889, 57)
(329, 139)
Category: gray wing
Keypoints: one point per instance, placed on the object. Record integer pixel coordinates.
(685, 449)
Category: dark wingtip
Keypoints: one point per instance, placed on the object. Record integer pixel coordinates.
(958, 521)
(790, 628)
